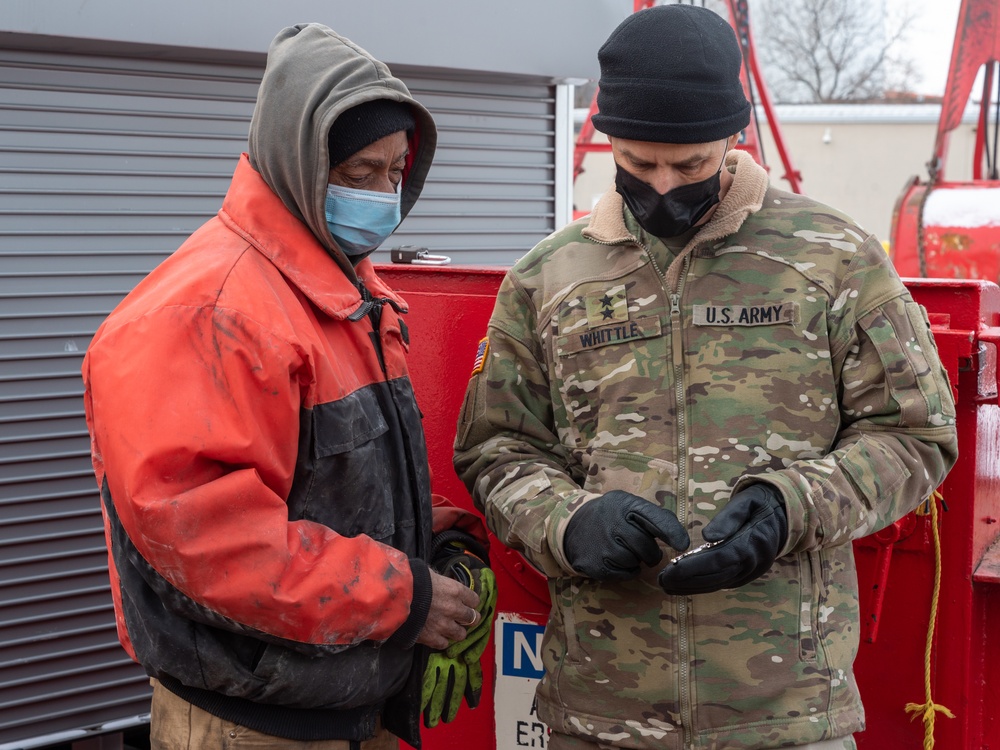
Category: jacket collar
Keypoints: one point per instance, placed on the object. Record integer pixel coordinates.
(255, 213)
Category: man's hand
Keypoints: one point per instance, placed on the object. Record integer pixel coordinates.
(457, 673)
(453, 609)
(754, 528)
(609, 536)
(472, 646)
(457, 555)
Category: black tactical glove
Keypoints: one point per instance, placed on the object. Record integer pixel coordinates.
(609, 536)
(754, 528)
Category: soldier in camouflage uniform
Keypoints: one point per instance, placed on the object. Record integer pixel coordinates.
(703, 358)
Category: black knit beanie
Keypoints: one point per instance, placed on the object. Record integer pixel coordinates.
(364, 124)
(671, 74)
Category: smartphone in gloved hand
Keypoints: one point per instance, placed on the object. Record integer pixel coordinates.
(695, 551)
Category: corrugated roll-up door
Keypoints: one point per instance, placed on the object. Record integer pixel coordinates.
(106, 165)
(489, 197)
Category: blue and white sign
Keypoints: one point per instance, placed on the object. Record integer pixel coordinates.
(522, 649)
(518, 670)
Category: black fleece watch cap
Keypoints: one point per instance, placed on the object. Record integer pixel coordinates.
(366, 123)
(671, 74)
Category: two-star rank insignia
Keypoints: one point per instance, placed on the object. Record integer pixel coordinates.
(608, 306)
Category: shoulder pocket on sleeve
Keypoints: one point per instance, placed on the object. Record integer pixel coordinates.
(913, 373)
(930, 373)
(473, 408)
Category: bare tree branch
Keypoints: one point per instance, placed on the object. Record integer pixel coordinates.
(831, 50)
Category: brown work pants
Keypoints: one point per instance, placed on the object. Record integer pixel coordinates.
(176, 724)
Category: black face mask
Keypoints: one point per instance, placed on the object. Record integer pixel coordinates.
(675, 211)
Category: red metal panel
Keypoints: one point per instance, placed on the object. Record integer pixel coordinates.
(890, 671)
(449, 308)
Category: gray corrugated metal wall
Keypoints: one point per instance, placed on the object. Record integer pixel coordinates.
(489, 196)
(106, 165)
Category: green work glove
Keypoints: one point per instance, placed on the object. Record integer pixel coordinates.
(445, 683)
(471, 648)
(456, 671)
(474, 681)
(457, 555)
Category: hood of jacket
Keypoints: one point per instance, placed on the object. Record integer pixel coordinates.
(313, 75)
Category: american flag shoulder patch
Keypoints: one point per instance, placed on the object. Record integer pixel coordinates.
(481, 352)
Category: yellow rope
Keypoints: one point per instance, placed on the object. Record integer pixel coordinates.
(929, 708)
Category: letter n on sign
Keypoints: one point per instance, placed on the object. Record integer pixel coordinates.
(522, 650)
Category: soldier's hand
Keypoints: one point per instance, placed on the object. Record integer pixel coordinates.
(453, 609)
(608, 537)
(750, 532)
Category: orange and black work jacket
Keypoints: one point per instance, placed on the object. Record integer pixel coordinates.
(264, 478)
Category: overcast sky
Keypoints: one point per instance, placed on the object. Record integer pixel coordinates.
(931, 39)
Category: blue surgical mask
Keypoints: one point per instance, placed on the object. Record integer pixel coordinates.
(360, 220)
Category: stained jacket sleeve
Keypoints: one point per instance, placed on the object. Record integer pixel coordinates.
(506, 448)
(897, 439)
(199, 468)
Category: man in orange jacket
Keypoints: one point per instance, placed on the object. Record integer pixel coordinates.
(273, 552)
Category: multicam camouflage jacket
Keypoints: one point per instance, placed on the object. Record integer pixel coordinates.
(779, 346)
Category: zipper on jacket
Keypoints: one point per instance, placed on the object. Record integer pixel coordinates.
(372, 307)
(683, 636)
(677, 358)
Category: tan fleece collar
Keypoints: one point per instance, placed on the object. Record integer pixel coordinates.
(745, 196)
